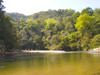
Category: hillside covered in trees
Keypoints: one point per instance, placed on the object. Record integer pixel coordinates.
(58, 29)
(15, 17)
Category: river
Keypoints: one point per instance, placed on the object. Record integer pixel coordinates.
(61, 63)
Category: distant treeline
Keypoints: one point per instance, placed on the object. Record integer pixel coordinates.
(58, 29)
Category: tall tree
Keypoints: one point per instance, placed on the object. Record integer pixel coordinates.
(1, 23)
(96, 17)
(88, 11)
(8, 35)
(1, 6)
(84, 23)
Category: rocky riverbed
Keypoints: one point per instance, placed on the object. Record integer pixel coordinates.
(95, 50)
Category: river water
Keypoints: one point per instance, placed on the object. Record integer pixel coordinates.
(68, 63)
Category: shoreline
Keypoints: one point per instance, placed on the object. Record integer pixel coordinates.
(35, 51)
(45, 51)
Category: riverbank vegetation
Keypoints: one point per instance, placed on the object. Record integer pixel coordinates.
(62, 29)
(8, 34)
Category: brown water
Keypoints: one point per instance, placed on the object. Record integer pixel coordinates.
(69, 63)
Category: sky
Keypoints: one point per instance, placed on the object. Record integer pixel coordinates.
(29, 7)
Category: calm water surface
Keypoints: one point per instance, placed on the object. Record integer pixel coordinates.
(69, 63)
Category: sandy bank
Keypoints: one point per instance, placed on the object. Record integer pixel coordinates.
(36, 51)
(43, 51)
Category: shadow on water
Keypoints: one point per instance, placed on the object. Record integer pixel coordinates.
(7, 57)
(19, 57)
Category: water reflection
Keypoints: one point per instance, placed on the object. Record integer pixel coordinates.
(69, 63)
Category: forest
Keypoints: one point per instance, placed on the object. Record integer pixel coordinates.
(62, 29)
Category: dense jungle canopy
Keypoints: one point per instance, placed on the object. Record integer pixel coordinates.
(62, 29)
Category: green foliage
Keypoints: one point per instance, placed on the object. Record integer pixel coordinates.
(85, 41)
(75, 40)
(59, 25)
(97, 14)
(15, 17)
(84, 23)
(95, 42)
(88, 11)
(77, 14)
(52, 14)
(29, 20)
(56, 29)
(74, 37)
(96, 17)
(50, 23)
(64, 44)
(8, 34)
(70, 28)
